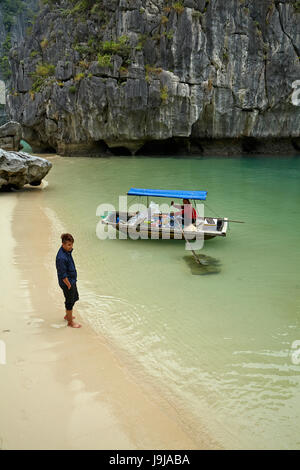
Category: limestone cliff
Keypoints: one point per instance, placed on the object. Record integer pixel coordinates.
(196, 75)
(15, 19)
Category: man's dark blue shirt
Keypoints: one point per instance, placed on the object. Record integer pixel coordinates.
(65, 266)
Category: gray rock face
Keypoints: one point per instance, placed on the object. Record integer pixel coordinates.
(15, 18)
(3, 116)
(19, 168)
(10, 136)
(209, 71)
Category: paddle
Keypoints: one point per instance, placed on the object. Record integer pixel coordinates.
(194, 253)
(228, 220)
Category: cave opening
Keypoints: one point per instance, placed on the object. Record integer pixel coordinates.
(49, 149)
(167, 147)
(26, 147)
(296, 144)
(120, 151)
(250, 145)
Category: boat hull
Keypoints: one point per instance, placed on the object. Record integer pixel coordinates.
(210, 229)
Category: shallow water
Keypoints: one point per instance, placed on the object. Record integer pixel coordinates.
(219, 346)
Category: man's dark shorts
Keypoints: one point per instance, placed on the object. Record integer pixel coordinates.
(71, 296)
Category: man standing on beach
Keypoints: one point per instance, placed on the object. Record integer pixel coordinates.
(67, 276)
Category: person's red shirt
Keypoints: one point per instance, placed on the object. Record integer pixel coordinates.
(188, 212)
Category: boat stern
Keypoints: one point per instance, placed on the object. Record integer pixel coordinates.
(224, 227)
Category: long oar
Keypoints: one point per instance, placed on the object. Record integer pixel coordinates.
(228, 220)
(194, 253)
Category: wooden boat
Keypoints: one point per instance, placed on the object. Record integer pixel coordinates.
(149, 224)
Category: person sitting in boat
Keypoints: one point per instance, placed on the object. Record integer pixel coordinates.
(187, 212)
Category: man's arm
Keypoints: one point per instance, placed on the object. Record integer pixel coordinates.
(67, 282)
(62, 272)
(178, 206)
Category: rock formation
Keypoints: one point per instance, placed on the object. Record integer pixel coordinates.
(10, 136)
(192, 76)
(15, 19)
(19, 168)
(3, 117)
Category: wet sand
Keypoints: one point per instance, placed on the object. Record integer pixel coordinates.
(64, 388)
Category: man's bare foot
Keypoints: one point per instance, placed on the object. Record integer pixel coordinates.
(66, 318)
(74, 325)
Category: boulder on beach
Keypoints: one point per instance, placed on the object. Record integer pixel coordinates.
(19, 168)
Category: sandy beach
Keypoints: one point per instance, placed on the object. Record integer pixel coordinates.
(63, 388)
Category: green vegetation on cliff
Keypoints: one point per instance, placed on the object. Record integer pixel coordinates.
(78, 6)
(297, 6)
(10, 9)
(4, 62)
(42, 73)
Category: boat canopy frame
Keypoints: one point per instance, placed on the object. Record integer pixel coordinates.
(176, 194)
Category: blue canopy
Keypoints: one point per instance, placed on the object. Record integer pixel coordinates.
(198, 195)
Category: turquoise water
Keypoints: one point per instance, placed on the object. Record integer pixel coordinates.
(218, 346)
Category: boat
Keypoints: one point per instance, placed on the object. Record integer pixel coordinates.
(152, 223)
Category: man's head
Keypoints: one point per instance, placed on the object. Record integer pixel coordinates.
(67, 241)
(186, 201)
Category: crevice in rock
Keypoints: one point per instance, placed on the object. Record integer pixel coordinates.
(297, 51)
(205, 6)
(266, 84)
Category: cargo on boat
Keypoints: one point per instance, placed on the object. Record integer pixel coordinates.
(152, 223)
